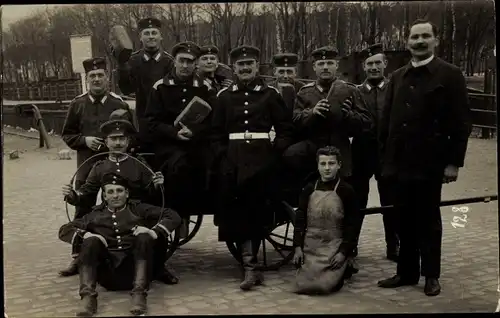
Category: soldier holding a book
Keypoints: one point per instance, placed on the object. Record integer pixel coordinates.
(178, 122)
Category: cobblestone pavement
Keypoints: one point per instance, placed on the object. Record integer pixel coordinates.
(34, 211)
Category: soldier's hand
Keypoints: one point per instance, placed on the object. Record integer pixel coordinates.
(227, 82)
(298, 257)
(450, 174)
(321, 108)
(186, 132)
(144, 230)
(158, 179)
(67, 191)
(89, 235)
(348, 102)
(94, 143)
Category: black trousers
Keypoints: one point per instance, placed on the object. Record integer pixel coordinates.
(361, 184)
(185, 177)
(420, 229)
(96, 256)
(159, 257)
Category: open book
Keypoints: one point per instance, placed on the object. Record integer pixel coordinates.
(194, 114)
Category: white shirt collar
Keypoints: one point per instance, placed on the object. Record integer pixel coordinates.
(422, 63)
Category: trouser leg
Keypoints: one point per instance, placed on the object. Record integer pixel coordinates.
(409, 253)
(389, 218)
(431, 230)
(361, 186)
(92, 252)
(249, 261)
(143, 257)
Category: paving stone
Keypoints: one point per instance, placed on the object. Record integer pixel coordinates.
(209, 276)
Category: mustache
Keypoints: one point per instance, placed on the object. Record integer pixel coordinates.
(419, 46)
(245, 72)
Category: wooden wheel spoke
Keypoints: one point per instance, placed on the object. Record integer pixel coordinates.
(284, 238)
(276, 247)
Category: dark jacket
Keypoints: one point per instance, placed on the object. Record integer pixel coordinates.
(140, 179)
(341, 123)
(254, 108)
(365, 148)
(84, 117)
(140, 73)
(426, 121)
(167, 100)
(117, 230)
(352, 214)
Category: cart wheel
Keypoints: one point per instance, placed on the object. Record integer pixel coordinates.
(196, 220)
(172, 244)
(276, 249)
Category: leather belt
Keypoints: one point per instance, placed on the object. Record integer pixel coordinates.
(248, 136)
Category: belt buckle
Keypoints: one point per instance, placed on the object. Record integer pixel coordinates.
(247, 136)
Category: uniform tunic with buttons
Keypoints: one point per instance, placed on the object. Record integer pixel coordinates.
(247, 166)
(140, 179)
(85, 115)
(117, 226)
(365, 147)
(341, 123)
(139, 75)
(183, 163)
(426, 121)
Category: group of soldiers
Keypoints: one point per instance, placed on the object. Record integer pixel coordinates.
(409, 132)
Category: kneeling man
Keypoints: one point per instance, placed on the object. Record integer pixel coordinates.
(116, 246)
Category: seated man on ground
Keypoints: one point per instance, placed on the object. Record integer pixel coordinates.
(118, 133)
(117, 247)
(325, 228)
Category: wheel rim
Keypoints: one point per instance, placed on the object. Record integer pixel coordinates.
(197, 224)
(172, 244)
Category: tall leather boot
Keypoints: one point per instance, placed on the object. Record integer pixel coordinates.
(71, 270)
(249, 264)
(87, 291)
(140, 289)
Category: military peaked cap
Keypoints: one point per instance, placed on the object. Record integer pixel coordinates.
(149, 23)
(186, 47)
(324, 53)
(96, 63)
(112, 178)
(118, 123)
(372, 50)
(117, 126)
(285, 59)
(209, 49)
(245, 52)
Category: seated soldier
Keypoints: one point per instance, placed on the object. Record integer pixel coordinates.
(325, 228)
(116, 244)
(118, 134)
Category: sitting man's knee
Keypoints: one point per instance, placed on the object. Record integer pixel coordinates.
(144, 238)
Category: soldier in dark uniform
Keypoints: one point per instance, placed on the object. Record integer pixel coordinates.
(144, 68)
(285, 69)
(86, 113)
(117, 247)
(365, 159)
(424, 133)
(218, 75)
(242, 119)
(142, 184)
(181, 153)
(326, 122)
